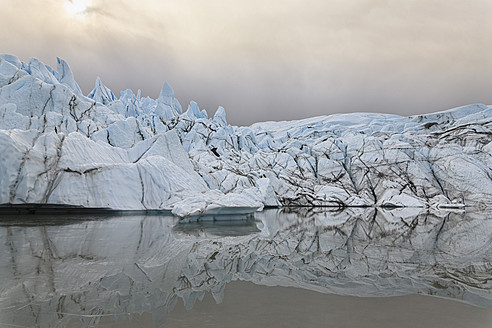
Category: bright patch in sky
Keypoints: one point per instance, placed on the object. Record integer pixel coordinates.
(76, 7)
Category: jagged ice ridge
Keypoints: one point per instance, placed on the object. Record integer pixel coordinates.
(132, 152)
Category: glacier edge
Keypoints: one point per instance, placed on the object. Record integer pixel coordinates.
(61, 147)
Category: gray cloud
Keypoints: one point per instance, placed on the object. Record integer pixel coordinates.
(269, 60)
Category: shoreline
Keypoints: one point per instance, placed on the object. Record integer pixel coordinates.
(66, 209)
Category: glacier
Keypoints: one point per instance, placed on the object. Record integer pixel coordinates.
(138, 153)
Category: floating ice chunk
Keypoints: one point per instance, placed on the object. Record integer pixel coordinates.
(395, 198)
(213, 200)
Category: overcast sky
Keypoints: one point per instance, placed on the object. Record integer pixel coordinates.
(268, 60)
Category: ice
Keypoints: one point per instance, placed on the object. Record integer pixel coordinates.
(101, 93)
(64, 75)
(167, 94)
(42, 72)
(70, 149)
(194, 112)
(220, 116)
(212, 201)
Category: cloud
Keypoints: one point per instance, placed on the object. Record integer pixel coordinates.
(270, 60)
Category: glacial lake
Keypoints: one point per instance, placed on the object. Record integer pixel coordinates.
(281, 268)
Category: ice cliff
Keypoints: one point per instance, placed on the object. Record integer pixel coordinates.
(61, 147)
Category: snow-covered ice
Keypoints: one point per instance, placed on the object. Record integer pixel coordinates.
(61, 147)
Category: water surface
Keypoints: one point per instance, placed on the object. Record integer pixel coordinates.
(285, 268)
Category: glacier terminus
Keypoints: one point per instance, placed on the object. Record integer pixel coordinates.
(59, 146)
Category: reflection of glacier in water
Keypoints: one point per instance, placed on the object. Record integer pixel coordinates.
(120, 266)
